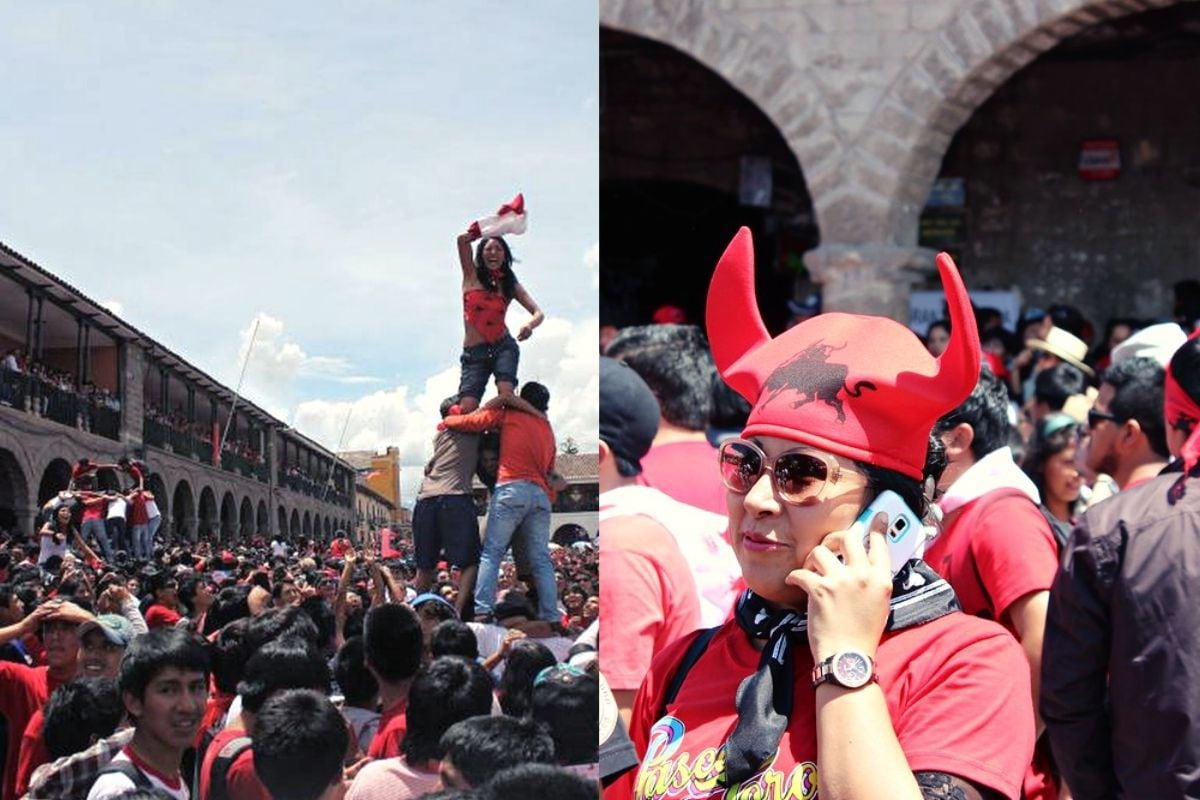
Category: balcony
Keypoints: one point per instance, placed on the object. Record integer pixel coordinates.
(65, 406)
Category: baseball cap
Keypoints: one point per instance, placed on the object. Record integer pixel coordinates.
(628, 412)
(429, 597)
(115, 628)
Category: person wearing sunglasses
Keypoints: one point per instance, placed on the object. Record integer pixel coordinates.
(833, 672)
(1126, 437)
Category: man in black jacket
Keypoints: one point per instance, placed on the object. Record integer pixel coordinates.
(1120, 686)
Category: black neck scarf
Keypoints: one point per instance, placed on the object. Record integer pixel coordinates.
(765, 699)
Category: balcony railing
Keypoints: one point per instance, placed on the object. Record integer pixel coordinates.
(154, 433)
(28, 393)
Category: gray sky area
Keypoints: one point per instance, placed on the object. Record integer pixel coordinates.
(198, 166)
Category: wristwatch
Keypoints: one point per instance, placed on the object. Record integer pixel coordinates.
(849, 668)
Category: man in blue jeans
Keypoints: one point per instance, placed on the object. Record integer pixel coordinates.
(519, 514)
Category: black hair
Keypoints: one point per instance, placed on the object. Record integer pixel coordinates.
(452, 637)
(162, 648)
(358, 685)
(526, 658)
(1054, 385)
(77, 712)
(229, 653)
(1185, 369)
(729, 409)
(288, 663)
(300, 740)
(566, 702)
(480, 747)
(188, 588)
(1042, 446)
(986, 411)
(675, 362)
(231, 603)
(447, 404)
(508, 279)
(277, 623)
(536, 395)
(447, 691)
(317, 609)
(1138, 395)
(393, 641)
(539, 780)
(911, 490)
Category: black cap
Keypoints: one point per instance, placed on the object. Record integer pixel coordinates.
(628, 412)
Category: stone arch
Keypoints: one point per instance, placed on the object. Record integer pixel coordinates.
(306, 526)
(55, 478)
(328, 527)
(281, 522)
(246, 519)
(295, 525)
(229, 517)
(262, 519)
(14, 493)
(207, 526)
(183, 508)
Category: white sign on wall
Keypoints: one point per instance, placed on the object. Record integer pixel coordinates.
(926, 307)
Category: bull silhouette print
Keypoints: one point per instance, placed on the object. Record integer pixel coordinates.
(812, 377)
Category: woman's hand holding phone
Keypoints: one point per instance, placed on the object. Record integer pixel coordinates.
(848, 588)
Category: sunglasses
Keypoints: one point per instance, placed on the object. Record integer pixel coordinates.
(797, 475)
(1096, 417)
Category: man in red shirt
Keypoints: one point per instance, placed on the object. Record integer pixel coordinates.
(24, 690)
(520, 507)
(996, 548)
(164, 611)
(392, 645)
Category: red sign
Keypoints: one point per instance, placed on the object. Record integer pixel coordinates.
(386, 550)
(1099, 159)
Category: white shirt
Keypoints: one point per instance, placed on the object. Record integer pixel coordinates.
(115, 784)
(116, 508)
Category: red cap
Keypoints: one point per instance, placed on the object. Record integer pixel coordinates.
(669, 315)
(862, 387)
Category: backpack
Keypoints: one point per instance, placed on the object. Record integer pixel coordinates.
(129, 770)
(218, 784)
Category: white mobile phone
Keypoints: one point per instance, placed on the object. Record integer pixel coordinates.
(905, 535)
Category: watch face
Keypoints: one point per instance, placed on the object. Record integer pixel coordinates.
(852, 669)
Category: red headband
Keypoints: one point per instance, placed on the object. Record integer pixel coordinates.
(858, 386)
(1179, 407)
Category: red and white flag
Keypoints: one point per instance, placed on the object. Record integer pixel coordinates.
(509, 219)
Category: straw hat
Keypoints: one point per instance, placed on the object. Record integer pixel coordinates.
(1066, 346)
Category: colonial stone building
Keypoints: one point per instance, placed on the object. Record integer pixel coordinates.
(91, 385)
(1066, 132)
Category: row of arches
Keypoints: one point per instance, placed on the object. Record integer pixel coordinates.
(190, 512)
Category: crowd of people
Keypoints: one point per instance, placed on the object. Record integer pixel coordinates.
(52, 392)
(768, 630)
(439, 666)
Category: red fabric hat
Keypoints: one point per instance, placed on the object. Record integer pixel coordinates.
(859, 386)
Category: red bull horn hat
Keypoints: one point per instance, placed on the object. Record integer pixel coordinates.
(862, 387)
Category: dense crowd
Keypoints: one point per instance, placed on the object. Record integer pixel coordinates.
(962, 559)
(47, 384)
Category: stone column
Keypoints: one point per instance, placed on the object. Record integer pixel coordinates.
(868, 278)
(133, 411)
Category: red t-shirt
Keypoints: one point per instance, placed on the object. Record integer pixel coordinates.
(241, 779)
(215, 709)
(137, 510)
(161, 617)
(392, 725)
(526, 443)
(23, 691)
(995, 553)
(957, 691)
(688, 472)
(647, 600)
(33, 751)
(94, 506)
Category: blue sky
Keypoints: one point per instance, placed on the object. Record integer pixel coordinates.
(198, 166)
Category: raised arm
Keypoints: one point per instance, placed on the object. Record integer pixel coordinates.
(530, 305)
(464, 255)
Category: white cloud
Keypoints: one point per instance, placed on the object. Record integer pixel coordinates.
(591, 259)
(561, 354)
(115, 306)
